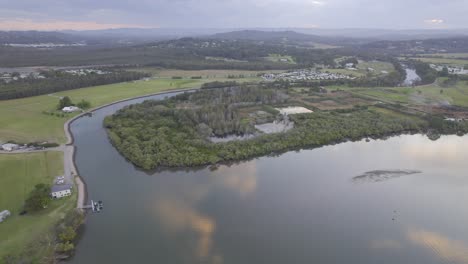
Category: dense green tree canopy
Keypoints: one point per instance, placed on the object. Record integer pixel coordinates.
(174, 132)
(38, 198)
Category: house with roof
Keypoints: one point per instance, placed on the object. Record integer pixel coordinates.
(4, 214)
(70, 109)
(9, 147)
(59, 191)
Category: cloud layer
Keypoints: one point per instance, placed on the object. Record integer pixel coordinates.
(91, 14)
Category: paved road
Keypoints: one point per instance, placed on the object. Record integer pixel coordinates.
(67, 164)
(71, 175)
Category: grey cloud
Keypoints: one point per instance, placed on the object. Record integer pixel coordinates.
(246, 13)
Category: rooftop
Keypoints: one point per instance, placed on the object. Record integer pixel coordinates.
(59, 188)
(5, 213)
(290, 110)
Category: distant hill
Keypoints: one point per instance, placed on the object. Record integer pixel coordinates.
(34, 37)
(93, 38)
(385, 34)
(435, 45)
(258, 35)
(289, 37)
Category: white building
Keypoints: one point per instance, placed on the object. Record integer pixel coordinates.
(9, 147)
(70, 109)
(59, 191)
(4, 214)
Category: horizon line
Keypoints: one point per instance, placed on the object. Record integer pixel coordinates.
(239, 28)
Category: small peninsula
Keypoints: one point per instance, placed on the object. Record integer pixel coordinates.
(227, 124)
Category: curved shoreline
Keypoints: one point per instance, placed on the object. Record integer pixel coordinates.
(70, 149)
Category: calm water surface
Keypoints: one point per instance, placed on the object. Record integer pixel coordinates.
(300, 207)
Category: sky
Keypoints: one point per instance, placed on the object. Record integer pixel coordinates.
(103, 14)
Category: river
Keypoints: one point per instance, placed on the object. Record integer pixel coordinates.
(299, 207)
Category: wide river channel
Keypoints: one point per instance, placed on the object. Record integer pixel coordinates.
(299, 207)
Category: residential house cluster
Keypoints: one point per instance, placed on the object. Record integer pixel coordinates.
(304, 75)
(45, 45)
(83, 72)
(451, 69)
(8, 77)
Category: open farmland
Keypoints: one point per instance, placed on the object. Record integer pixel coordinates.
(281, 58)
(213, 75)
(377, 66)
(446, 61)
(23, 119)
(20, 173)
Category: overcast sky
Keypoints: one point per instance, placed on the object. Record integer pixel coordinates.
(98, 14)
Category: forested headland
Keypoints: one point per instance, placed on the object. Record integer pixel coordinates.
(174, 132)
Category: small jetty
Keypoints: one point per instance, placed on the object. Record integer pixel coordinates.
(96, 207)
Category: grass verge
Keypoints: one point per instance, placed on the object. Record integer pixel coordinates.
(29, 237)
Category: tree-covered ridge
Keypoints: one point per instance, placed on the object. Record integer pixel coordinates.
(57, 81)
(174, 132)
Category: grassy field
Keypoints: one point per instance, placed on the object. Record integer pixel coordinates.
(205, 74)
(448, 55)
(378, 66)
(393, 95)
(280, 58)
(346, 72)
(456, 95)
(20, 173)
(446, 61)
(22, 119)
(361, 68)
(391, 113)
(429, 94)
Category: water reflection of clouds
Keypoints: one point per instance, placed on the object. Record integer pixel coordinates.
(177, 209)
(449, 250)
(178, 216)
(242, 178)
(446, 150)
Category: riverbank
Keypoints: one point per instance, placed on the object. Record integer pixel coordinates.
(14, 247)
(243, 194)
(170, 195)
(70, 150)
